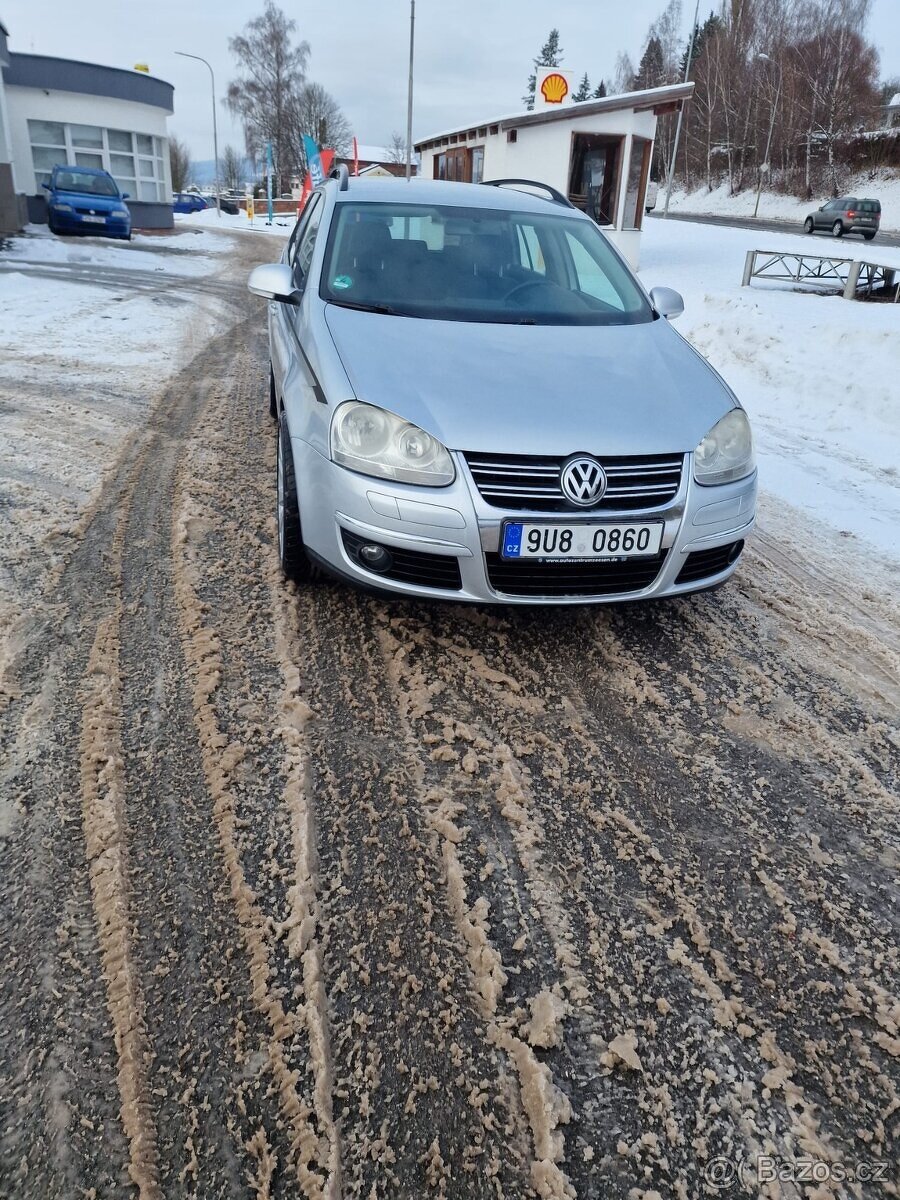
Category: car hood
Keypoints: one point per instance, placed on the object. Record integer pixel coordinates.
(86, 200)
(533, 389)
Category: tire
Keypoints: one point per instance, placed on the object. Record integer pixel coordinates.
(273, 396)
(838, 229)
(868, 236)
(295, 564)
(809, 225)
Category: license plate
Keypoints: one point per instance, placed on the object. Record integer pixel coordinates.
(562, 543)
(94, 220)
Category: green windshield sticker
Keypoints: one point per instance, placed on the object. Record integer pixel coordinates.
(342, 282)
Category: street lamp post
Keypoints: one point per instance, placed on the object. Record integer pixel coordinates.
(765, 161)
(215, 131)
(687, 70)
(409, 98)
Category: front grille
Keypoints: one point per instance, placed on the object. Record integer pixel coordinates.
(524, 482)
(408, 566)
(703, 563)
(518, 578)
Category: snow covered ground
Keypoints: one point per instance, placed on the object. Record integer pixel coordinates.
(774, 206)
(817, 375)
(281, 226)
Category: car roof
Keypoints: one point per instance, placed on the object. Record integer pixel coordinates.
(459, 195)
(80, 170)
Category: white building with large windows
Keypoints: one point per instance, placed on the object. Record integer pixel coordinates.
(75, 113)
(595, 152)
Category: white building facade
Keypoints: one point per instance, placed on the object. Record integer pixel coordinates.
(74, 113)
(596, 152)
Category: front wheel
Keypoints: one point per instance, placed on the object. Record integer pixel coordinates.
(292, 556)
(809, 225)
(838, 229)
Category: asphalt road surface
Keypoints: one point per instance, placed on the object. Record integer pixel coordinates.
(825, 240)
(310, 894)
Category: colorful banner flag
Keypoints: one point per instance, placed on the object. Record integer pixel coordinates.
(313, 160)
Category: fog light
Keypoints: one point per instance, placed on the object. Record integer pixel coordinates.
(374, 557)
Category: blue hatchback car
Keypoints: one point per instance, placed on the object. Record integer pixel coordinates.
(188, 202)
(87, 200)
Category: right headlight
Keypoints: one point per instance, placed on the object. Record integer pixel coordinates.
(375, 442)
(726, 453)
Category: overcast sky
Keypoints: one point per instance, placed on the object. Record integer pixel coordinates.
(472, 56)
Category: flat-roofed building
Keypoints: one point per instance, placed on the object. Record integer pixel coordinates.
(595, 152)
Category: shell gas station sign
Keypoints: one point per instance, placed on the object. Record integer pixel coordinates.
(553, 87)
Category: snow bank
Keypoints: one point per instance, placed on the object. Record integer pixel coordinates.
(817, 374)
(185, 252)
(208, 218)
(776, 207)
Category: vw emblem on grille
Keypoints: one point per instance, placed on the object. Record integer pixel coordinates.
(583, 480)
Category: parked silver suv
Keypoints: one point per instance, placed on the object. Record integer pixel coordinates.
(477, 400)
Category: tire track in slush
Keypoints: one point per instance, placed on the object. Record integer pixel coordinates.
(222, 753)
(102, 788)
(376, 1157)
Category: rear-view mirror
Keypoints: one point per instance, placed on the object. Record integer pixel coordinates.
(667, 302)
(274, 281)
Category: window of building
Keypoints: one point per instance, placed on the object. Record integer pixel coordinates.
(477, 164)
(135, 160)
(636, 186)
(594, 175)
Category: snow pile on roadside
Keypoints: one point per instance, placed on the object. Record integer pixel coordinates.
(208, 218)
(817, 375)
(777, 207)
(181, 253)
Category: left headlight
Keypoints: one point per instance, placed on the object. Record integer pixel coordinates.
(119, 212)
(726, 453)
(375, 442)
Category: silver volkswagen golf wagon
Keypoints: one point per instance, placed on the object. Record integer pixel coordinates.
(477, 400)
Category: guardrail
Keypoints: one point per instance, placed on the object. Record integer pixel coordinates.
(853, 278)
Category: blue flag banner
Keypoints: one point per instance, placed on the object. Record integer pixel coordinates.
(314, 160)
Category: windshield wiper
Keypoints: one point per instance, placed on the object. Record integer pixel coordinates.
(375, 308)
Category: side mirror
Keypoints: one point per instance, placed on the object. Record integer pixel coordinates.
(274, 281)
(668, 303)
(46, 185)
(126, 195)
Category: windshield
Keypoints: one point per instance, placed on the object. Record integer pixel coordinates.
(477, 264)
(87, 184)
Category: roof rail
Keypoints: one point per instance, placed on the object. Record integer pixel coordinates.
(340, 173)
(555, 196)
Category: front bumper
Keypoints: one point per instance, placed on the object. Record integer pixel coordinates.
(455, 523)
(71, 222)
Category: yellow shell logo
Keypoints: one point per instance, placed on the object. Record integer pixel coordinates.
(554, 89)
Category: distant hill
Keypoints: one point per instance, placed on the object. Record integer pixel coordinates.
(203, 173)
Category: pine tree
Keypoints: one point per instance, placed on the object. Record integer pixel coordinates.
(584, 89)
(652, 70)
(599, 91)
(550, 56)
(702, 34)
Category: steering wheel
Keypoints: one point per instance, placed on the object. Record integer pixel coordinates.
(521, 288)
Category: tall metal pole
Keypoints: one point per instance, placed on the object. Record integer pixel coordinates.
(687, 70)
(215, 130)
(765, 161)
(409, 101)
